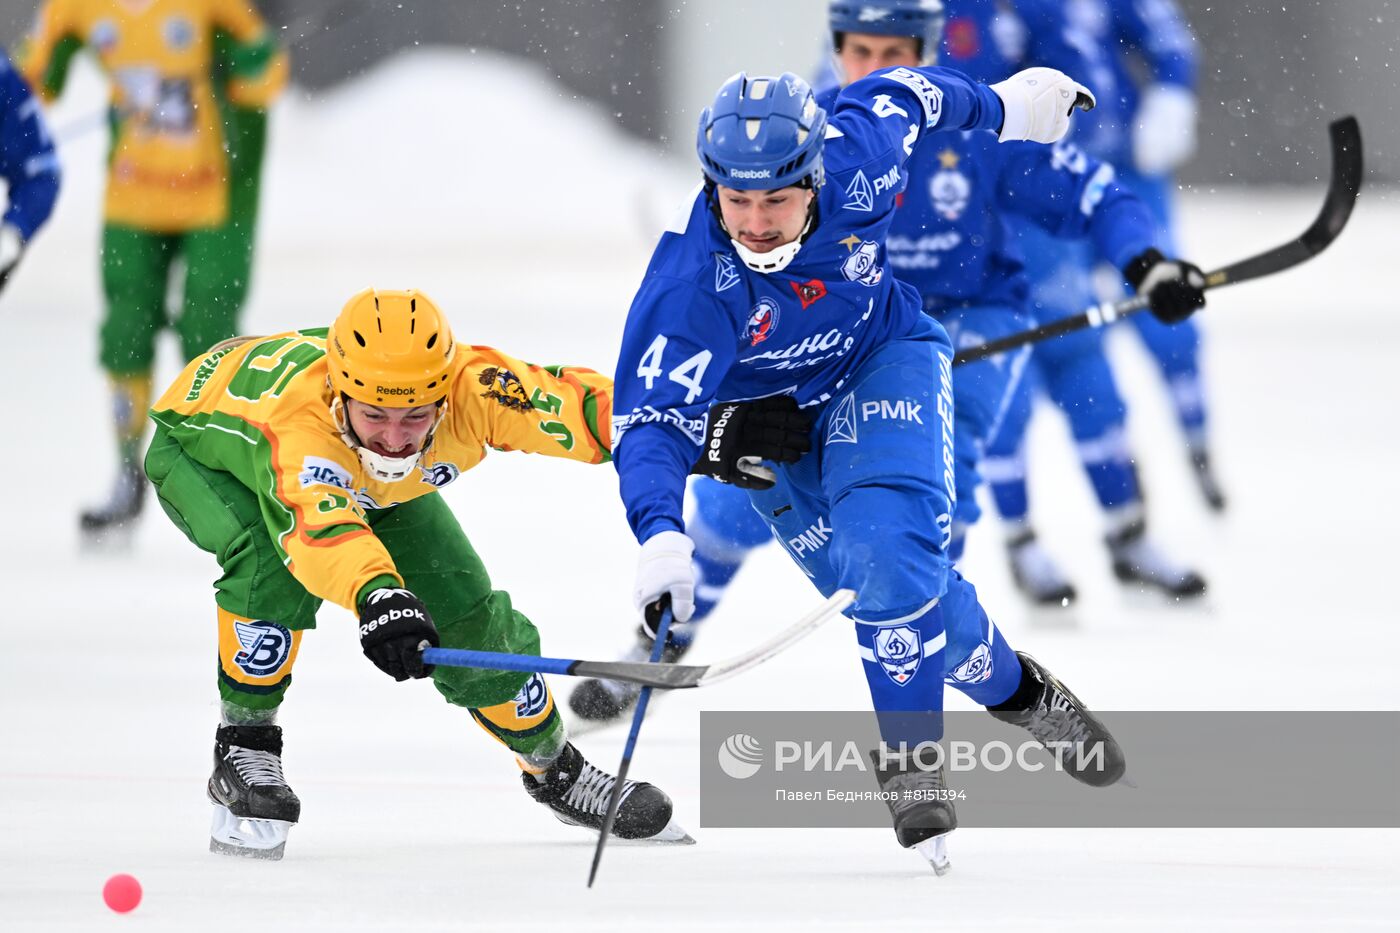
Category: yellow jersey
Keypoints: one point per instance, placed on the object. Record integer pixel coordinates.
(260, 409)
(168, 170)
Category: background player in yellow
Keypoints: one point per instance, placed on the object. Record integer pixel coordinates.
(309, 464)
(191, 81)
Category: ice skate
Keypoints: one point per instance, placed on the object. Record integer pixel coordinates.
(597, 703)
(923, 816)
(122, 506)
(578, 793)
(1206, 479)
(1036, 574)
(1137, 560)
(254, 808)
(1064, 725)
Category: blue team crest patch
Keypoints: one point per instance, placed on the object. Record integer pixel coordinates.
(763, 320)
(103, 35)
(266, 647)
(532, 698)
(950, 191)
(179, 33)
(439, 474)
(863, 265)
(899, 651)
(976, 669)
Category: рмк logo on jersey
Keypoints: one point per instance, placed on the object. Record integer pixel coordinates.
(266, 646)
(763, 320)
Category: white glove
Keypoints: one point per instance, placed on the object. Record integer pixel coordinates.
(1037, 103)
(664, 567)
(1164, 129)
(11, 246)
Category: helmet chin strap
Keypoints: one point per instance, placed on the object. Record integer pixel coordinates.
(779, 257)
(385, 469)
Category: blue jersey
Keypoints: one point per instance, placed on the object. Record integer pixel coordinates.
(1120, 39)
(989, 40)
(27, 159)
(949, 238)
(704, 327)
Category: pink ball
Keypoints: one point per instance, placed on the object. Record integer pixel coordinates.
(122, 893)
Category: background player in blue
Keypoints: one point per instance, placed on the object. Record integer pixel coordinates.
(1146, 130)
(27, 163)
(769, 285)
(949, 241)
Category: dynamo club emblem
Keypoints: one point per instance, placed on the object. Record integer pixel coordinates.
(763, 320)
(976, 669)
(899, 651)
(863, 265)
(266, 646)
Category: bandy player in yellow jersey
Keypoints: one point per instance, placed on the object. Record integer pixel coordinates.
(191, 81)
(309, 464)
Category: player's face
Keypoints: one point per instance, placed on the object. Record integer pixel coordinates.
(862, 53)
(764, 220)
(391, 432)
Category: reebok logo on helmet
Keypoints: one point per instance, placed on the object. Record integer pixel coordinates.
(751, 173)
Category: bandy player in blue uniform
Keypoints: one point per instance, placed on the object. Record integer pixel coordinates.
(27, 163)
(948, 239)
(1146, 130)
(768, 286)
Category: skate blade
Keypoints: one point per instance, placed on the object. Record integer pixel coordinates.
(935, 851)
(247, 838)
(673, 834)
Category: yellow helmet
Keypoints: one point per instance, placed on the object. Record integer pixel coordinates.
(391, 348)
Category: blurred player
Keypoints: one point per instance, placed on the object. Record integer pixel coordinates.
(776, 282)
(28, 165)
(309, 464)
(948, 240)
(191, 81)
(1148, 130)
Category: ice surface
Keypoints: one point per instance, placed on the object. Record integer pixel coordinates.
(412, 816)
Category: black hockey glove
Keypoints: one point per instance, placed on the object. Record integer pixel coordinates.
(740, 434)
(1174, 288)
(394, 624)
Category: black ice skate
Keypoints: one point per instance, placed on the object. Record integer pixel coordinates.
(1206, 479)
(122, 506)
(253, 806)
(598, 703)
(1035, 573)
(923, 816)
(1137, 560)
(1064, 725)
(578, 793)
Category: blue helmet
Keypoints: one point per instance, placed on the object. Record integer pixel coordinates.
(919, 19)
(762, 133)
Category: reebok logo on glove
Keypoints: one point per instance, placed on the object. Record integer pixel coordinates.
(393, 615)
(714, 453)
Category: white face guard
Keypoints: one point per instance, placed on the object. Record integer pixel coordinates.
(385, 469)
(775, 260)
